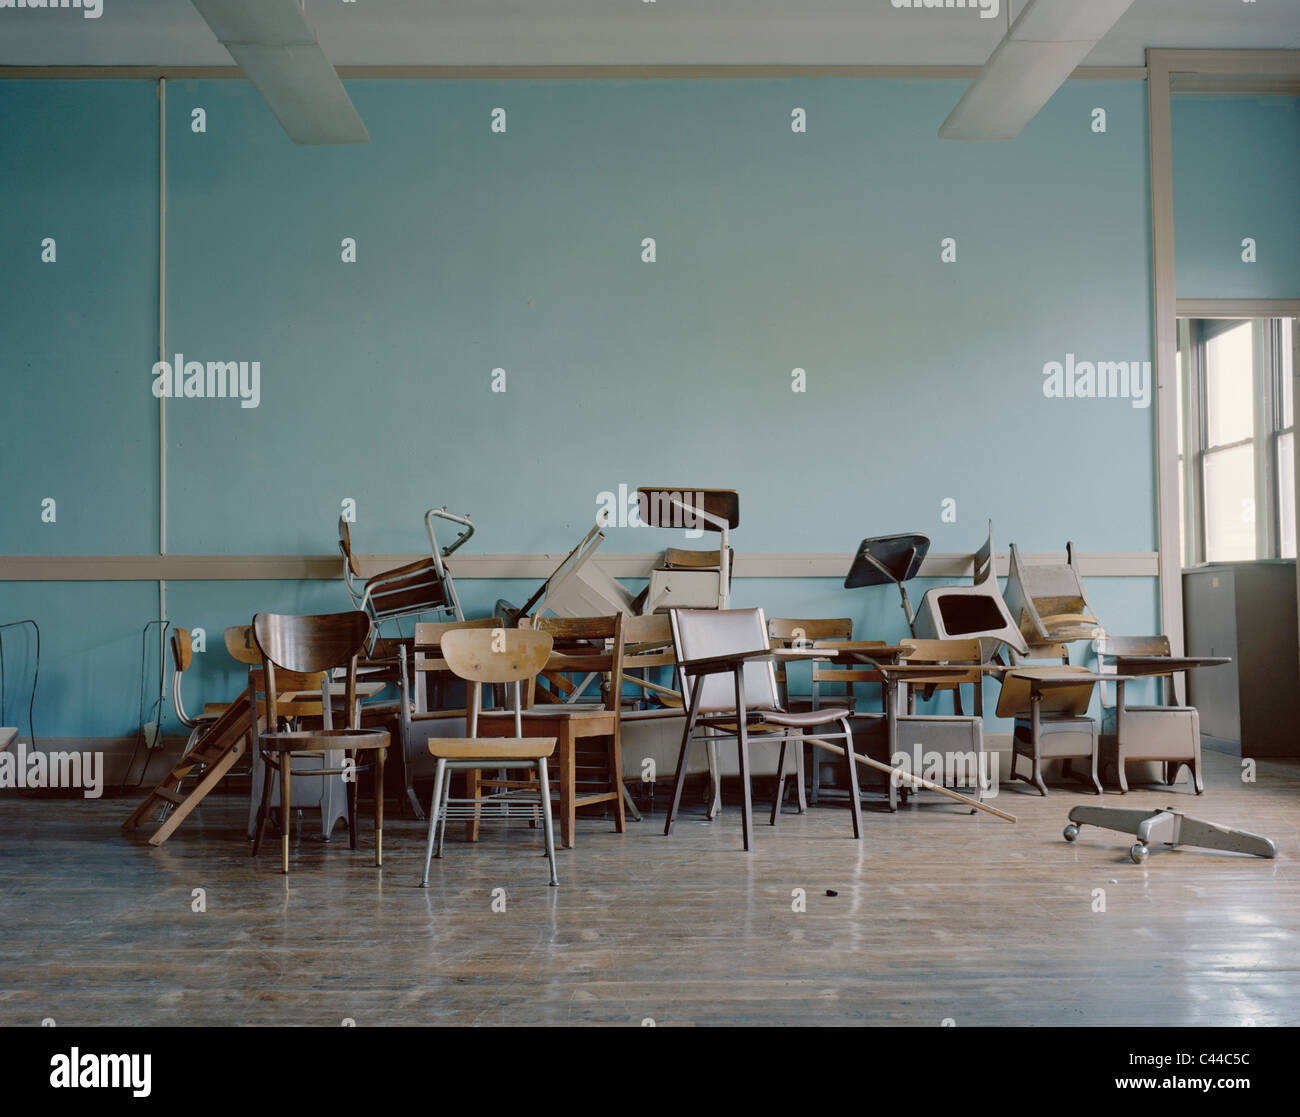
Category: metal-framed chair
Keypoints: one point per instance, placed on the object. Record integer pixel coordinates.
(1048, 705)
(414, 589)
(725, 664)
(494, 656)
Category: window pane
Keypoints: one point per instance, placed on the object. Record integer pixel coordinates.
(1230, 505)
(1286, 494)
(1288, 385)
(1229, 385)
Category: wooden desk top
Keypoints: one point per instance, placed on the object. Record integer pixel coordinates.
(1146, 665)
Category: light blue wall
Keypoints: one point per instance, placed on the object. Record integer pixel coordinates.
(522, 250)
(1236, 166)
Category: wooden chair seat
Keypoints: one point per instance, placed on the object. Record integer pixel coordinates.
(323, 740)
(496, 748)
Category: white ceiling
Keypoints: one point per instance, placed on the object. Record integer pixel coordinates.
(593, 32)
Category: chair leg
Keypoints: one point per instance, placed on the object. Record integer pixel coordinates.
(630, 804)
(264, 807)
(715, 780)
(742, 735)
(351, 792)
(1096, 781)
(444, 795)
(779, 794)
(616, 779)
(814, 790)
(855, 796)
(545, 784)
(680, 779)
(434, 804)
(286, 811)
(801, 795)
(474, 791)
(379, 807)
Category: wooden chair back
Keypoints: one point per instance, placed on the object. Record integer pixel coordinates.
(496, 655)
(242, 645)
(949, 652)
(345, 546)
(583, 645)
(1109, 646)
(786, 632)
(311, 646)
(182, 649)
(829, 673)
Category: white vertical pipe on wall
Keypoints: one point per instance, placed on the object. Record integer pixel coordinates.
(162, 334)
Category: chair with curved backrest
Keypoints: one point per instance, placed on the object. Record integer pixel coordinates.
(493, 656)
(182, 649)
(327, 792)
(315, 646)
(725, 662)
(587, 647)
(977, 610)
(182, 658)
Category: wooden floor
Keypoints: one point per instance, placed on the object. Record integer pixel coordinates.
(938, 915)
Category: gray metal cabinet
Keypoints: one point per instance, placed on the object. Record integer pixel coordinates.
(1246, 610)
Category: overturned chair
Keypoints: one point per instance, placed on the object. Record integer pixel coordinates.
(970, 612)
(415, 589)
(1048, 602)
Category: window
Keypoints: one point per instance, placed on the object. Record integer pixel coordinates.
(1236, 438)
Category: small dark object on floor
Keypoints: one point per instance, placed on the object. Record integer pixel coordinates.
(831, 892)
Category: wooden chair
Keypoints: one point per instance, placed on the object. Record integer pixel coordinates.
(1168, 734)
(314, 789)
(786, 632)
(421, 711)
(307, 646)
(725, 665)
(581, 645)
(1049, 707)
(957, 735)
(497, 656)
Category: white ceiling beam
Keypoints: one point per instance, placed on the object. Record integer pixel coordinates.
(1040, 50)
(278, 51)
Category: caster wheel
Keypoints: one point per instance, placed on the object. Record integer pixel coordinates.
(1071, 833)
(1139, 853)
